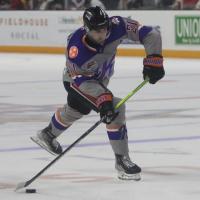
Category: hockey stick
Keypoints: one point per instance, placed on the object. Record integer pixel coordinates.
(25, 184)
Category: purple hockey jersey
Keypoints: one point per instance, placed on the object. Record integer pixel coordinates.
(86, 66)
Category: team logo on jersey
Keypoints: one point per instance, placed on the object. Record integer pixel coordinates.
(115, 20)
(73, 52)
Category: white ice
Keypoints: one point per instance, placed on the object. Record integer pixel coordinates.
(163, 123)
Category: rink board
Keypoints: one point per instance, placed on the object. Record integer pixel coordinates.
(46, 32)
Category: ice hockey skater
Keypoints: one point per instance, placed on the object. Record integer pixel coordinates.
(90, 58)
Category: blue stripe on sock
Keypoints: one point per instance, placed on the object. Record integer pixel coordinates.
(118, 135)
(57, 124)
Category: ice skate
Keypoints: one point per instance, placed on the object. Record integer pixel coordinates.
(47, 141)
(126, 169)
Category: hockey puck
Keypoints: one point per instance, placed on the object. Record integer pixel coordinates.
(30, 190)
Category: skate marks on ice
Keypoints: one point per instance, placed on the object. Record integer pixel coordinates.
(40, 113)
(163, 123)
(152, 173)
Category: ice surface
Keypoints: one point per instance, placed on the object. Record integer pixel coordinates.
(163, 126)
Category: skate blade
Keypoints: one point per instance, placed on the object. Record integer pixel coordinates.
(123, 176)
(42, 144)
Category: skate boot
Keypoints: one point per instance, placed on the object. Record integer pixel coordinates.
(127, 170)
(47, 141)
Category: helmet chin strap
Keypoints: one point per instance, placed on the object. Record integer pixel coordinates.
(108, 33)
(86, 29)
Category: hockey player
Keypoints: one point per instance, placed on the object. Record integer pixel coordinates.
(90, 56)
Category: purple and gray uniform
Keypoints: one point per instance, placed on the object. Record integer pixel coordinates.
(86, 65)
(87, 68)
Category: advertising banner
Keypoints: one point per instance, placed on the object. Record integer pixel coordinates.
(47, 31)
(187, 30)
(37, 28)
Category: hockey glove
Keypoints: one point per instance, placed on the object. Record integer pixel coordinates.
(106, 109)
(153, 68)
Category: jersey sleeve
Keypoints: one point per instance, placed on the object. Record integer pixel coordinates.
(80, 70)
(149, 36)
(79, 66)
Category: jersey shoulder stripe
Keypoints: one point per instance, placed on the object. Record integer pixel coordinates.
(118, 29)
